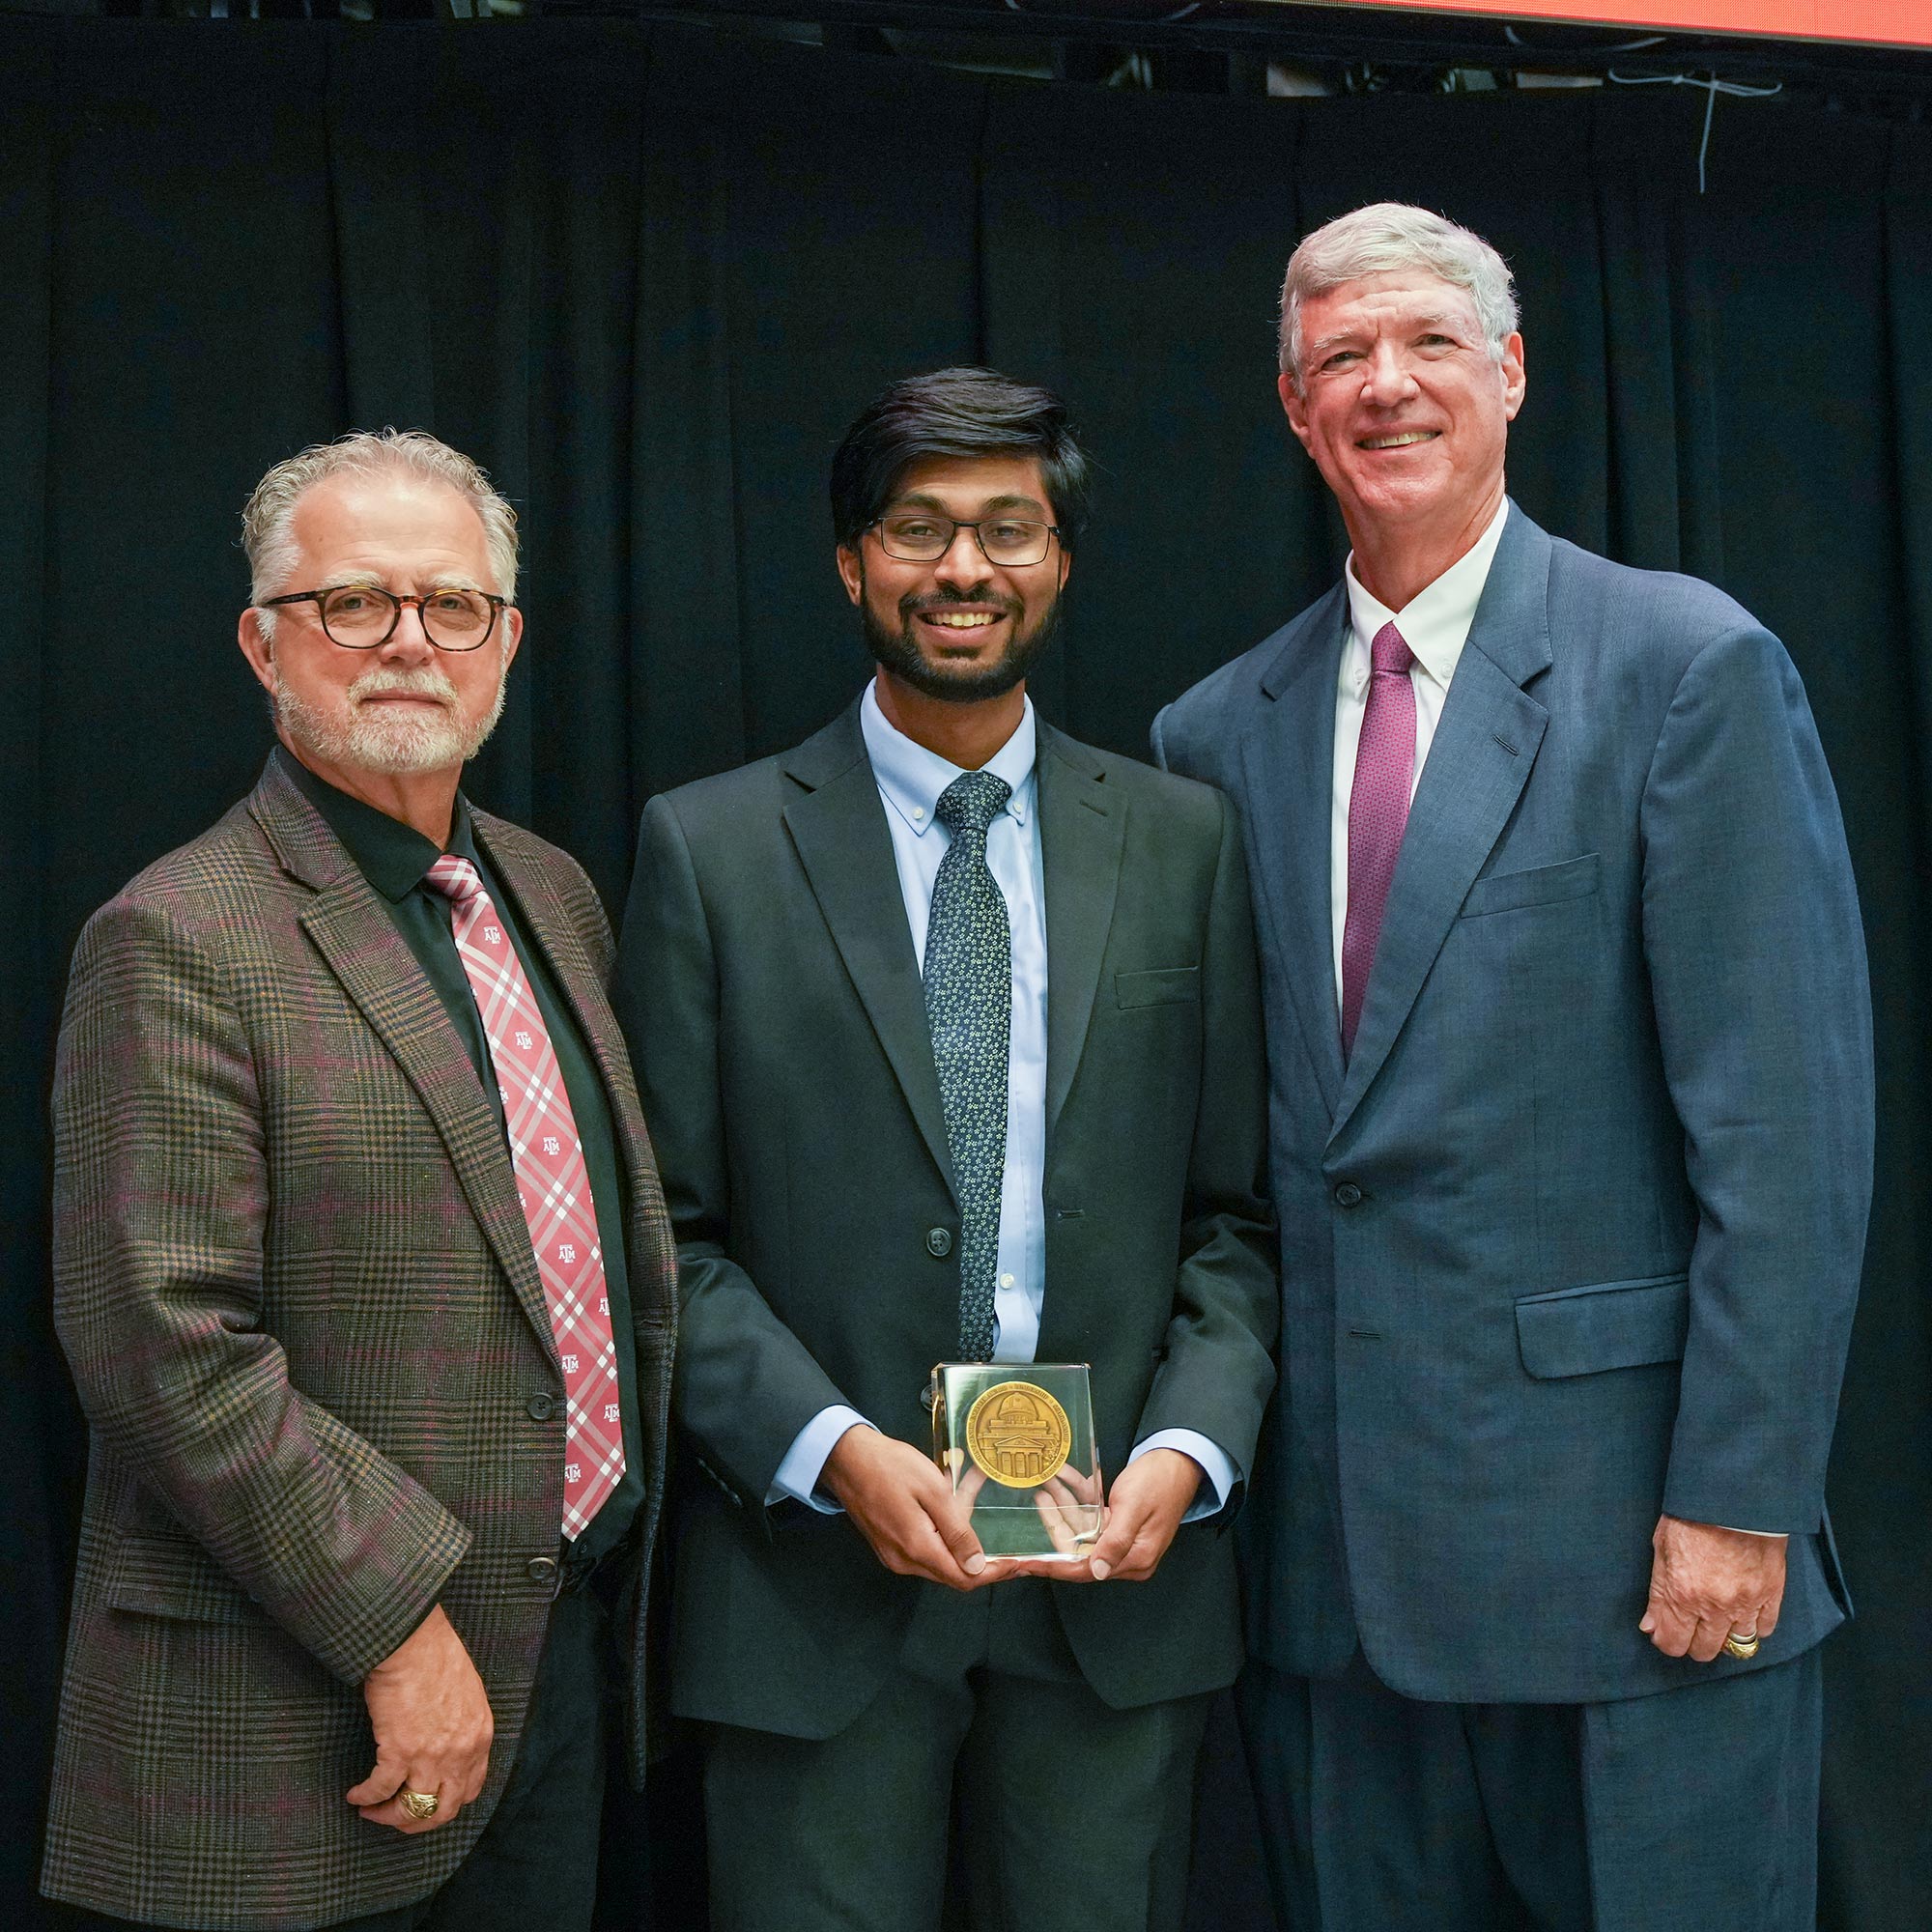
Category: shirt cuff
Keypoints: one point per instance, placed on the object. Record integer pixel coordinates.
(1753, 1532)
(804, 1462)
(1218, 1474)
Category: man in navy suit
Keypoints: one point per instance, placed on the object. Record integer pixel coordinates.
(1570, 1066)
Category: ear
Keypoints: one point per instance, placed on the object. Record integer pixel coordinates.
(1292, 402)
(1515, 382)
(256, 648)
(1065, 565)
(513, 634)
(851, 571)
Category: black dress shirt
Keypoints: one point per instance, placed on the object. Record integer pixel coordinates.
(393, 857)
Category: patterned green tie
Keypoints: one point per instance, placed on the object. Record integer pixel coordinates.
(969, 1005)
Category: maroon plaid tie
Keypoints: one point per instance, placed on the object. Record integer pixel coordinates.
(555, 1187)
(1377, 814)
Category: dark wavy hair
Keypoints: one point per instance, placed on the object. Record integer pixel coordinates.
(956, 413)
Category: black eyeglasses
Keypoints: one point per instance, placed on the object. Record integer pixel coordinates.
(363, 616)
(1012, 542)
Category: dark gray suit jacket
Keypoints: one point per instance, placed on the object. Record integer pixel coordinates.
(769, 984)
(1574, 1236)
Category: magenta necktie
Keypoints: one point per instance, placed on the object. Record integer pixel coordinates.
(553, 1185)
(1377, 812)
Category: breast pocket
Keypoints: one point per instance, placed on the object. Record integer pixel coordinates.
(1162, 986)
(1540, 885)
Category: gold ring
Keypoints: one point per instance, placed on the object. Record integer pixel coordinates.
(1743, 1646)
(419, 1804)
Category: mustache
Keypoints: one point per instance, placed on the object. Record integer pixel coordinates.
(427, 682)
(913, 603)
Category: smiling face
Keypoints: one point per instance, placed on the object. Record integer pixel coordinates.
(1404, 408)
(405, 709)
(960, 628)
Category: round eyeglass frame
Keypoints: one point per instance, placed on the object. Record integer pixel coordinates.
(960, 524)
(400, 598)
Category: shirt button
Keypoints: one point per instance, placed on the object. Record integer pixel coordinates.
(1005, 1281)
(939, 1242)
(541, 1568)
(918, 812)
(1347, 1194)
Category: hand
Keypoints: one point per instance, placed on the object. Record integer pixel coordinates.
(433, 1726)
(1149, 1497)
(1705, 1582)
(904, 1507)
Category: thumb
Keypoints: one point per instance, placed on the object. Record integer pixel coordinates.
(383, 1781)
(1123, 1524)
(956, 1533)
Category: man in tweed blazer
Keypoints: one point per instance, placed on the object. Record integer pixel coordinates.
(330, 1661)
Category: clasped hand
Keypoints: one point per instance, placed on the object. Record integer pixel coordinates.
(904, 1506)
(1705, 1582)
(433, 1726)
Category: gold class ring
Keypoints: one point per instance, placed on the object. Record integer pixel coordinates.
(422, 1804)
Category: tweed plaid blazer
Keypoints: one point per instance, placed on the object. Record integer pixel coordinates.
(294, 1283)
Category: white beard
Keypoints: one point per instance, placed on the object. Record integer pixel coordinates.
(395, 741)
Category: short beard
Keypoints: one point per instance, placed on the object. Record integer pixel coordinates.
(897, 651)
(404, 744)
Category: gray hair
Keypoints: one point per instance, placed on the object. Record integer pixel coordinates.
(266, 520)
(1391, 235)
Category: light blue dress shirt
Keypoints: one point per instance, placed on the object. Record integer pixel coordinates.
(910, 779)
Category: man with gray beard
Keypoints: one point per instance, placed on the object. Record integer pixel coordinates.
(363, 1270)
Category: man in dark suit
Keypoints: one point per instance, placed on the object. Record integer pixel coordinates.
(1571, 1122)
(951, 1046)
(364, 1274)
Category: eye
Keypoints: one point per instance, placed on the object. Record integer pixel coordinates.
(1008, 534)
(915, 530)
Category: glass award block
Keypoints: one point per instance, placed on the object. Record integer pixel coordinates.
(1016, 1441)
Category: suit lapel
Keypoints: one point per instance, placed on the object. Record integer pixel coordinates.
(549, 922)
(1478, 764)
(1287, 761)
(837, 827)
(360, 946)
(1082, 832)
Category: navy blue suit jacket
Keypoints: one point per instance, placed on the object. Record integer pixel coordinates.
(1574, 1235)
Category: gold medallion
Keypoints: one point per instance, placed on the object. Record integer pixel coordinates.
(1018, 1435)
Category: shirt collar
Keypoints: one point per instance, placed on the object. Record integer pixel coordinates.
(391, 856)
(1434, 623)
(910, 778)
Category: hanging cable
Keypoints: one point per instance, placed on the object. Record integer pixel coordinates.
(1712, 86)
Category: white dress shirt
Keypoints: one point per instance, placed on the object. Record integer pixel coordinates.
(1434, 624)
(910, 779)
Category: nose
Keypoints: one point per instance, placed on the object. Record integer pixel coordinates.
(1387, 379)
(964, 563)
(409, 643)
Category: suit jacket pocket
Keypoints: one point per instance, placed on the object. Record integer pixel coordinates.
(1163, 986)
(1610, 1324)
(1541, 885)
(172, 1576)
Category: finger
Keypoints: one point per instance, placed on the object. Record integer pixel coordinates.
(1669, 1629)
(392, 1813)
(1767, 1613)
(955, 1531)
(1708, 1640)
(1123, 1524)
(384, 1780)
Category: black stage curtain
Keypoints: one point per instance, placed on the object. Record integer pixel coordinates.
(647, 275)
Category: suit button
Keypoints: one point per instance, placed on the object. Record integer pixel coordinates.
(541, 1568)
(541, 1407)
(1347, 1194)
(939, 1242)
